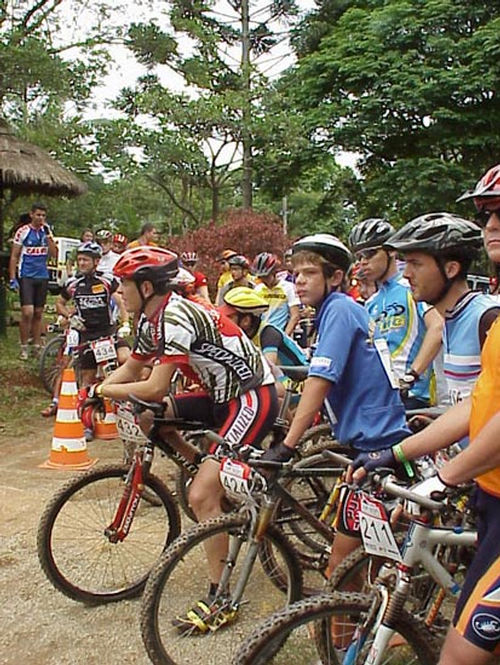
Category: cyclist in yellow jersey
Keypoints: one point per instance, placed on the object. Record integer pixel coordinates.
(474, 638)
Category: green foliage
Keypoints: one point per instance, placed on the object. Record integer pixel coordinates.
(411, 85)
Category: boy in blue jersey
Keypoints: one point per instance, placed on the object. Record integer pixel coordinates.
(350, 371)
(33, 245)
(439, 248)
(412, 330)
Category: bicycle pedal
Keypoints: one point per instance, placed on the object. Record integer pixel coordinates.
(221, 618)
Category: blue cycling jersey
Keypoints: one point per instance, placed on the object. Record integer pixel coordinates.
(401, 321)
(363, 403)
(34, 252)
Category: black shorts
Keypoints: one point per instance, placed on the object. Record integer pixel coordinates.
(246, 419)
(86, 357)
(33, 291)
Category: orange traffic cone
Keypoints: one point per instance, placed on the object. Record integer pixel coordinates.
(105, 428)
(69, 448)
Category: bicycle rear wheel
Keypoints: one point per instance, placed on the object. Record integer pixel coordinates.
(322, 627)
(180, 579)
(76, 555)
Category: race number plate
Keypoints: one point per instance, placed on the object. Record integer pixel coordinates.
(375, 529)
(127, 426)
(235, 476)
(104, 349)
(72, 340)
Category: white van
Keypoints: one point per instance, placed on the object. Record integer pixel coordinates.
(62, 267)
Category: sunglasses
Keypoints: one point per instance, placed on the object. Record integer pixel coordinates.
(367, 254)
(483, 216)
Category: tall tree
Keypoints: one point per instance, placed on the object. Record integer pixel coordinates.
(411, 85)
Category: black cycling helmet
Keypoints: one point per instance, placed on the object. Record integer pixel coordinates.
(90, 248)
(372, 232)
(238, 260)
(435, 233)
(326, 245)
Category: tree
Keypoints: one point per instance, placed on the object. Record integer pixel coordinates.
(412, 86)
(205, 138)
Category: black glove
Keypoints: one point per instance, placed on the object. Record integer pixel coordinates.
(278, 453)
(407, 382)
(380, 459)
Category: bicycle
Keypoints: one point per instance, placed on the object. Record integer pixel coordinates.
(262, 564)
(369, 629)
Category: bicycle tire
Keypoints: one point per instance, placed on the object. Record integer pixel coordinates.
(182, 481)
(77, 557)
(180, 578)
(302, 632)
(49, 362)
(315, 439)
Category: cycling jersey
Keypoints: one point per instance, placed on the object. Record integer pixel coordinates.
(281, 297)
(34, 252)
(363, 402)
(273, 340)
(461, 343)
(107, 262)
(92, 297)
(224, 359)
(401, 321)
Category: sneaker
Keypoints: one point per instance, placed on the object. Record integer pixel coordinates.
(35, 351)
(49, 411)
(89, 434)
(206, 615)
(23, 354)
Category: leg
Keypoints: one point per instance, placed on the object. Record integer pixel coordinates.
(36, 326)
(27, 313)
(459, 651)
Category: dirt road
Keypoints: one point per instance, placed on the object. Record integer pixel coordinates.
(40, 626)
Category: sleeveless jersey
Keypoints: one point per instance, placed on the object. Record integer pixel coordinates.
(34, 252)
(223, 358)
(92, 297)
(486, 400)
(400, 320)
(461, 343)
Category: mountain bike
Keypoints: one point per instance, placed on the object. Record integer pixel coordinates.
(374, 628)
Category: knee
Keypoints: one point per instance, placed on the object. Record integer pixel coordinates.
(204, 499)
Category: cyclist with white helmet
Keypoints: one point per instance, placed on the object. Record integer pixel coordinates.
(238, 397)
(350, 372)
(474, 637)
(281, 295)
(200, 283)
(108, 256)
(413, 331)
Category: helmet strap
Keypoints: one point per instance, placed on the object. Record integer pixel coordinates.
(388, 260)
(447, 282)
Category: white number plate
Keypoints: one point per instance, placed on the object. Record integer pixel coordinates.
(127, 426)
(235, 476)
(72, 340)
(376, 531)
(104, 349)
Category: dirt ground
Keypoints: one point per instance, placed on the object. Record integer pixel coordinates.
(40, 626)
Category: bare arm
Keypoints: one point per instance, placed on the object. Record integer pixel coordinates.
(315, 391)
(293, 320)
(432, 341)
(62, 307)
(14, 260)
(124, 316)
(53, 249)
(480, 456)
(202, 291)
(129, 372)
(153, 389)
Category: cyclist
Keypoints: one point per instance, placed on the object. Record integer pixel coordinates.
(475, 633)
(239, 396)
(281, 295)
(200, 284)
(91, 291)
(33, 245)
(108, 256)
(439, 248)
(246, 307)
(225, 273)
(120, 242)
(238, 267)
(412, 331)
(350, 372)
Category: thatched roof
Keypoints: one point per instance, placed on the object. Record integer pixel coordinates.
(27, 168)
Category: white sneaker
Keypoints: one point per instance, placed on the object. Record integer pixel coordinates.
(23, 354)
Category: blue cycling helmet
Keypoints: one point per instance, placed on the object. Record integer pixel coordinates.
(90, 248)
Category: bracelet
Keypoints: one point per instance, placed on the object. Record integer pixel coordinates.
(398, 453)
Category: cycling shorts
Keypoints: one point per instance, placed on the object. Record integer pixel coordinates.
(33, 291)
(477, 614)
(246, 419)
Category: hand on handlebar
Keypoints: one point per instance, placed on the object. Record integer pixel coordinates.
(278, 453)
(379, 459)
(434, 488)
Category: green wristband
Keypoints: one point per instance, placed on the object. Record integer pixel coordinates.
(401, 457)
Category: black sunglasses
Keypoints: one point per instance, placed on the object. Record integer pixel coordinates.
(367, 254)
(483, 216)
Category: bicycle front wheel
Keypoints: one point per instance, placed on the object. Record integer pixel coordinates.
(319, 629)
(180, 579)
(50, 360)
(74, 551)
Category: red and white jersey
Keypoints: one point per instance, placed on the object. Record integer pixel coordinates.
(222, 356)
